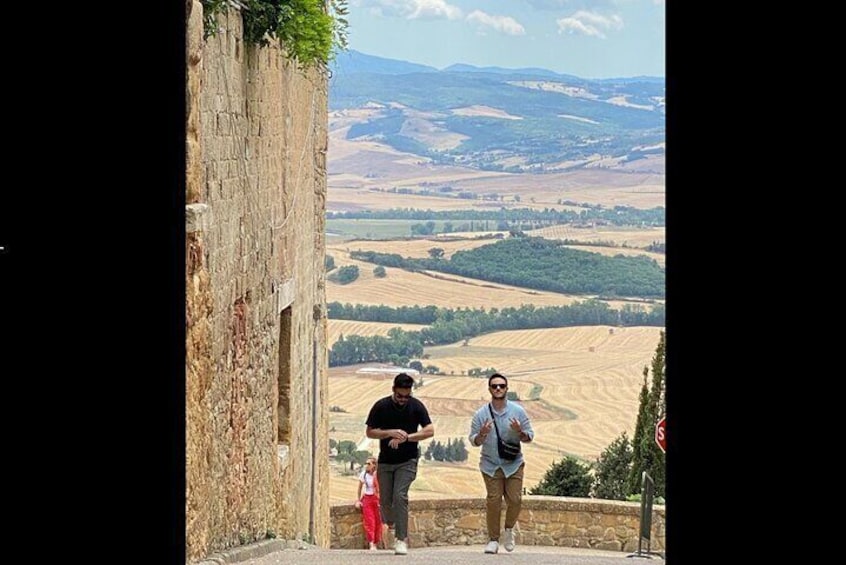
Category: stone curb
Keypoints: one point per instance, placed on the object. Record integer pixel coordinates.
(252, 551)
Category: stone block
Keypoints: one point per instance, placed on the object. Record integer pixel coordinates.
(584, 519)
(470, 522)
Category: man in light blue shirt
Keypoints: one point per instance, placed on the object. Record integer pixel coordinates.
(503, 476)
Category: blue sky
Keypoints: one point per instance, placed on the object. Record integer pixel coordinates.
(586, 38)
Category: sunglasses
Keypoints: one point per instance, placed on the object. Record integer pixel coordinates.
(499, 386)
(402, 396)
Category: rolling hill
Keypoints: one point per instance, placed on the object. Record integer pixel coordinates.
(496, 119)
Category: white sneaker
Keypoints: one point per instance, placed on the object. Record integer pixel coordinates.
(492, 547)
(401, 548)
(509, 539)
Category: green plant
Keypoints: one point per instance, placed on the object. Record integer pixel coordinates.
(636, 498)
(211, 9)
(345, 274)
(307, 32)
(568, 477)
(646, 455)
(612, 469)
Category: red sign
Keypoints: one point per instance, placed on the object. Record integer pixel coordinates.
(661, 434)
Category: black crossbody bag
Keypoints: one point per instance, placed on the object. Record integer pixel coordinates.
(507, 451)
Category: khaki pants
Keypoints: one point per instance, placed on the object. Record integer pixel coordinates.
(512, 489)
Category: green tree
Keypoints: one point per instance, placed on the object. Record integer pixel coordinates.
(439, 452)
(647, 456)
(347, 274)
(612, 470)
(436, 253)
(346, 446)
(379, 272)
(360, 456)
(568, 477)
(461, 453)
(329, 262)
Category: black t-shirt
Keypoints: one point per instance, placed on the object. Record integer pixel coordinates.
(386, 415)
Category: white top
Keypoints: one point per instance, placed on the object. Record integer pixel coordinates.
(369, 482)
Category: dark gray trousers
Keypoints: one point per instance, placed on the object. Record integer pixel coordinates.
(394, 482)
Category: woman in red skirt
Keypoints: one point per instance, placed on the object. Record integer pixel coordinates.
(368, 503)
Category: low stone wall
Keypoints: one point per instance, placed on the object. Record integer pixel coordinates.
(544, 520)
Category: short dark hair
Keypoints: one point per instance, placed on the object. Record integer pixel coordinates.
(403, 380)
(497, 376)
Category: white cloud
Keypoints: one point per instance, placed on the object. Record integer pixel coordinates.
(504, 24)
(558, 4)
(412, 9)
(589, 23)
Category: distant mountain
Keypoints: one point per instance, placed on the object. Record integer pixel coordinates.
(493, 118)
(534, 71)
(357, 62)
(628, 80)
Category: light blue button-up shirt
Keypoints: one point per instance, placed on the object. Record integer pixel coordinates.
(489, 460)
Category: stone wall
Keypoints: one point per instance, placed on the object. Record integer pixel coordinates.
(256, 358)
(544, 520)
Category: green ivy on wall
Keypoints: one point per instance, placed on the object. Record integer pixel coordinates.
(310, 31)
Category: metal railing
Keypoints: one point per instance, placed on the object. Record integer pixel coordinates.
(646, 494)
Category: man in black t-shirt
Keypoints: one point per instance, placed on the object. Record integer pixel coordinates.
(394, 421)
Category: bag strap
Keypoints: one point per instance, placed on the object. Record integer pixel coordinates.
(493, 418)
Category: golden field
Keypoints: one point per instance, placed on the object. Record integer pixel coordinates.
(588, 378)
(361, 172)
(403, 288)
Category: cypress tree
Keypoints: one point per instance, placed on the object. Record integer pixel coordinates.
(633, 483)
(647, 456)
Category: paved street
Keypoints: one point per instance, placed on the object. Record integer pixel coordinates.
(458, 555)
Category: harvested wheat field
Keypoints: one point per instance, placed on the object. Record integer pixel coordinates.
(403, 288)
(418, 248)
(371, 168)
(659, 258)
(579, 385)
(628, 236)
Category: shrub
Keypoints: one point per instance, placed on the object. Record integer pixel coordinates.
(612, 470)
(345, 274)
(568, 477)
